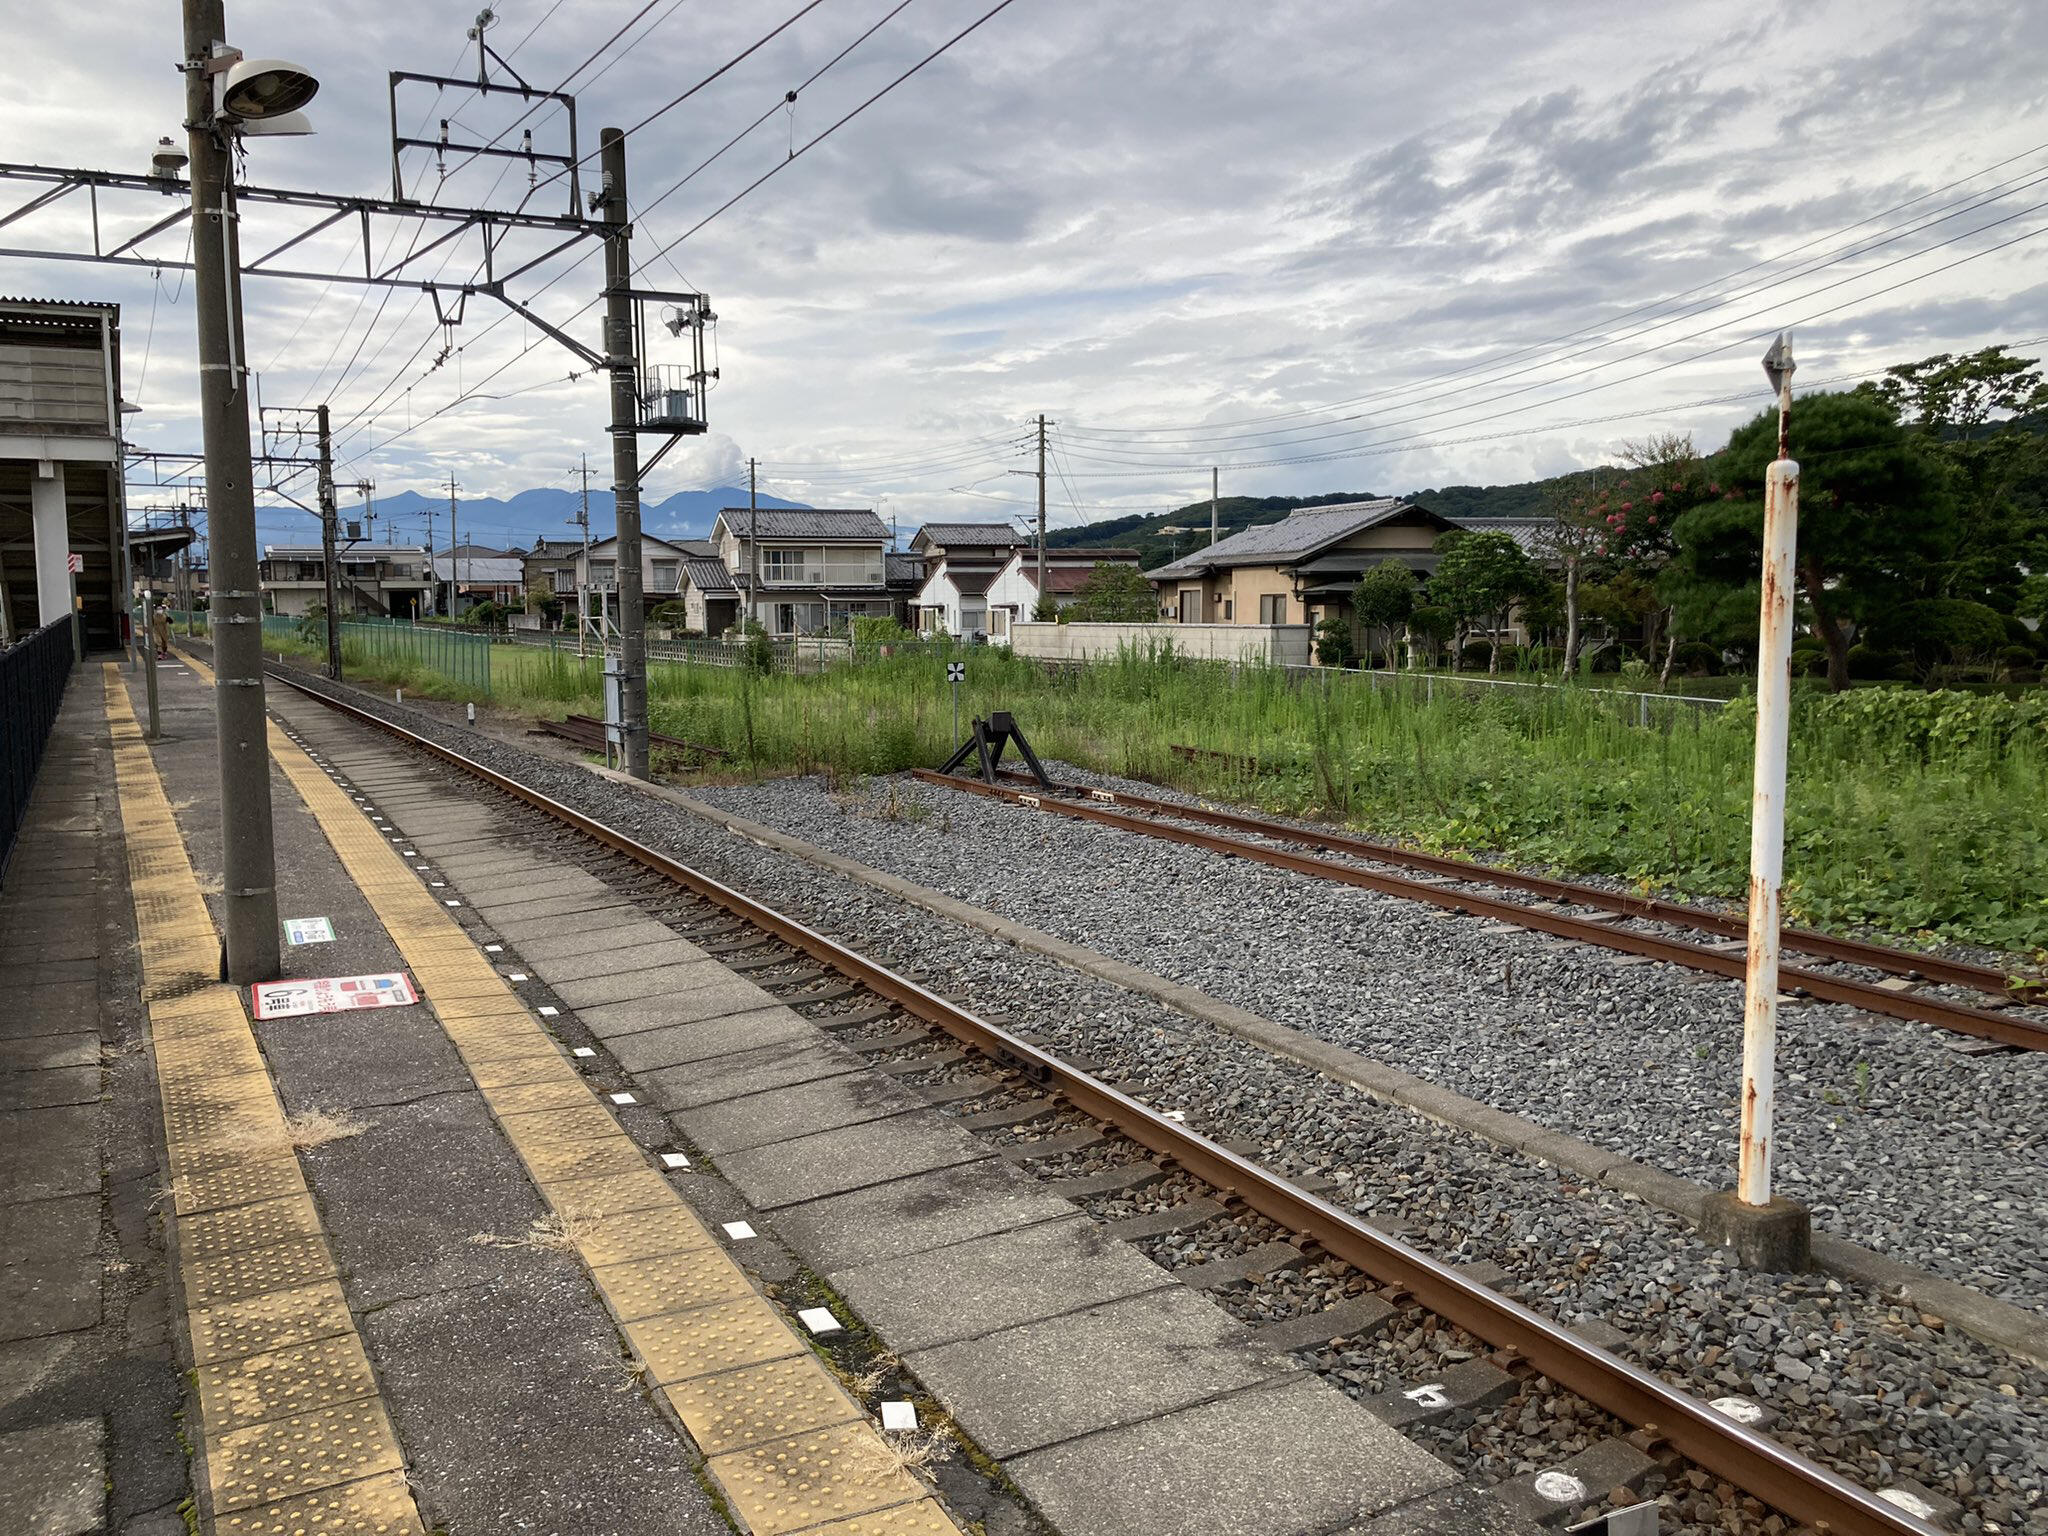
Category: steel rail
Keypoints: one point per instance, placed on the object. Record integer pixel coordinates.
(1788, 1482)
(1877, 957)
(1957, 1017)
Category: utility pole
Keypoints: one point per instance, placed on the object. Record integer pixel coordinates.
(620, 356)
(328, 553)
(1043, 591)
(249, 861)
(454, 575)
(753, 545)
(582, 520)
(430, 555)
(1212, 505)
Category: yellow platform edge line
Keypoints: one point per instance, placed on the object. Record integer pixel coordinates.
(790, 1449)
(293, 1432)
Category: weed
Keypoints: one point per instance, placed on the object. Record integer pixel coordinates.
(547, 1234)
(1863, 1084)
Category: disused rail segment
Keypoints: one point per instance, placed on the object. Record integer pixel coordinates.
(1962, 1019)
(1878, 957)
(1754, 1462)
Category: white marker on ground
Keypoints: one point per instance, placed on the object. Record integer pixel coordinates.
(739, 1231)
(819, 1320)
(900, 1417)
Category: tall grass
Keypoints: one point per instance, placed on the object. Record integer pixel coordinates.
(1906, 811)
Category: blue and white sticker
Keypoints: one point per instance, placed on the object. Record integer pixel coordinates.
(308, 930)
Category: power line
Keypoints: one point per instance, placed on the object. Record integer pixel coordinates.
(814, 142)
(1625, 314)
(1208, 443)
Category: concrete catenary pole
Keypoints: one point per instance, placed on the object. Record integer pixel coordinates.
(583, 570)
(1043, 590)
(753, 542)
(620, 352)
(454, 543)
(1213, 474)
(1767, 800)
(328, 553)
(249, 865)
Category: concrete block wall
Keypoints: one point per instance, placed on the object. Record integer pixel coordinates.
(1276, 644)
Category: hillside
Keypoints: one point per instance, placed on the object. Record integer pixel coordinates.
(1235, 513)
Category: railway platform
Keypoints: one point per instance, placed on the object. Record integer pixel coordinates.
(608, 1230)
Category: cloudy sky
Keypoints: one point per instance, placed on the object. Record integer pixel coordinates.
(1324, 246)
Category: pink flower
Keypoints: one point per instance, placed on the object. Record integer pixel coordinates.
(1656, 498)
(1628, 506)
(1653, 520)
(1713, 489)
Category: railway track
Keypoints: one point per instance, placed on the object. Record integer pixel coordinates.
(1432, 883)
(812, 968)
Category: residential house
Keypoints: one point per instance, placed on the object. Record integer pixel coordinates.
(1013, 595)
(1299, 570)
(905, 574)
(384, 581)
(468, 574)
(711, 598)
(818, 567)
(552, 562)
(983, 543)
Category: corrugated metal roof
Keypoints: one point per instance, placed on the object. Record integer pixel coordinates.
(709, 575)
(1284, 543)
(807, 523)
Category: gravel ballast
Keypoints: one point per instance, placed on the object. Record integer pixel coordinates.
(1894, 1139)
(1878, 1390)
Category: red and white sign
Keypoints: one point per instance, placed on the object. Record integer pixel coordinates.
(330, 994)
(74, 563)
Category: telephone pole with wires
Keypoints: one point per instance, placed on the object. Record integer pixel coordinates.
(328, 553)
(1043, 591)
(1213, 472)
(753, 542)
(622, 360)
(582, 521)
(454, 575)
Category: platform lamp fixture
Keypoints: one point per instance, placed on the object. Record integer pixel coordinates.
(229, 98)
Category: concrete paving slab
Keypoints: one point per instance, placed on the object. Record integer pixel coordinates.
(782, 1114)
(552, 909)
(1461, 1510)
(614, 959)
(53, 1086)
(1030, 1387)
(39, 1052)
(405, 1198)
(67, 1007)
(625, 935)
(850, 1157)
(45, 1153)
(529, 924)
(360, 1060)
(518, 1413)
(53, 1478)
(652, 1049)
(552, 885)
(803, 1059)
(48, 1229)
(1285, 1460)
(49, 1295)
(718, 994)
(916, 1215)
(920, 1301)
(682, 977)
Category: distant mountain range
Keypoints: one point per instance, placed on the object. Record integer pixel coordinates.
(516, 521)
(530, 515)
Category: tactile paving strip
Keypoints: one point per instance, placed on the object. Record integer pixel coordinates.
(296, 1440)
(788, 1446)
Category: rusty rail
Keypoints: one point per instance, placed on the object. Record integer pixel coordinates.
(588, 731)
(1958, 1017)
(1877, 957)
(1754, 1462)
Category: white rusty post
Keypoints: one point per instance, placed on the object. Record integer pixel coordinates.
(1767, 801)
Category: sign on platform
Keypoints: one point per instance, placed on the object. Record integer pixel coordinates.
(330, 994)
(308, 930)
(956, 671)
(74, 563)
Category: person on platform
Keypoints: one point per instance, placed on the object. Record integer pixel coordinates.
(160, 630)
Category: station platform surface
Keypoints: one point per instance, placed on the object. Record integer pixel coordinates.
(445, 1266)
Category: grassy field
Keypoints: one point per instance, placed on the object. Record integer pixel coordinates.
(1910, 812)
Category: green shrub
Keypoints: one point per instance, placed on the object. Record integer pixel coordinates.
(1696, 658)
(1334, 647)
(1475, 656)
